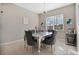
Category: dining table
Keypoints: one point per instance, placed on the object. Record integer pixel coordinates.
(40, 36)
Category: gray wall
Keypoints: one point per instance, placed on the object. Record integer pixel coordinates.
(0, 22)
(12, 22)
(68, 11)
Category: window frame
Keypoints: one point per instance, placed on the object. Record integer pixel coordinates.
(55, 23)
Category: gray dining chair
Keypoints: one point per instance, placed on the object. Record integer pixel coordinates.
(31, 41)
(50, 40)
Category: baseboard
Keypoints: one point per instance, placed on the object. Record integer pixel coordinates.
(12, 42)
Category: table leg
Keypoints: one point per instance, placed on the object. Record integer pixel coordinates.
(39, 44)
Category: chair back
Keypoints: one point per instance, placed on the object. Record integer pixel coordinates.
(52, 39)
(29, 38)
(53, 32)
(33, 31)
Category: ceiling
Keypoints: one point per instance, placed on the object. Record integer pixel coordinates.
(40, 7)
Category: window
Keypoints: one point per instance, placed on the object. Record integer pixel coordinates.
(55, 22)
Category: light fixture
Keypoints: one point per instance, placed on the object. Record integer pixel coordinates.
(45, 11)
(45, 16)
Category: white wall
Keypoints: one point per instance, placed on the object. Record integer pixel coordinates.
(12, 22)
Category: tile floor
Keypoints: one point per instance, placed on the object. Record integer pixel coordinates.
(18, 49)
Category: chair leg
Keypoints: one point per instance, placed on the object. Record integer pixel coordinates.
(27, 48)
(25, 44)
(42, 45)
(51, 48)
(32, 49)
